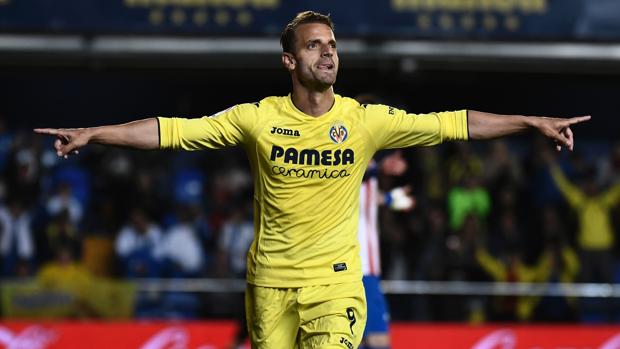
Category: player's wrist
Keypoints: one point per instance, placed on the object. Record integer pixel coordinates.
(92, 134)
(531, 121)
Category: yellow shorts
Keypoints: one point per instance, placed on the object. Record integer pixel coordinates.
(326, 316)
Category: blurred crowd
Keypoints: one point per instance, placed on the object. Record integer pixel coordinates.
(511, 211)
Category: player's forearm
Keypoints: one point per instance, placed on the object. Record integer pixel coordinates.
(140, 134)
(483, 125)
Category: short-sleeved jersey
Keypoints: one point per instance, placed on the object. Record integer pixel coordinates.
(307, 174)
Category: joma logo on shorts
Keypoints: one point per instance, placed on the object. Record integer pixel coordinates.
(284, 131)
(346, 342)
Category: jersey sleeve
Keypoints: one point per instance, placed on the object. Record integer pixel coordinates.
(395, 128)
(230, 127)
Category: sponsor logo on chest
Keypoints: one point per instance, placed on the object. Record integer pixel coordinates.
(285, 131)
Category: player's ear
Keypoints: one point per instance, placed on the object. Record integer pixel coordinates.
(288, 61)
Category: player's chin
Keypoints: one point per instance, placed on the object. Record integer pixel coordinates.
(327, 79)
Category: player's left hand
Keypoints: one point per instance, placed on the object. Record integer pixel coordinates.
(559, 130)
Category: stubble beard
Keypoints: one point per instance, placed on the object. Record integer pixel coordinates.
(317, 81)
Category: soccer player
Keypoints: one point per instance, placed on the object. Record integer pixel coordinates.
(376, 333)
(308, 152)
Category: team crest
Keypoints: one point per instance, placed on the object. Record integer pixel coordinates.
(338, 133)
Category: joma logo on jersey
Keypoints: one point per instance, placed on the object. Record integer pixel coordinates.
(285, 131)
(312, 156)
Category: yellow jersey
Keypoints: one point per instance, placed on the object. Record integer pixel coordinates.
(595, 225)
(307, 174)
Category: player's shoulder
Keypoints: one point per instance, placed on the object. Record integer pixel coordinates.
(272, 102)
(374, 110)
(348, 102)
(350, 106)
(265, 106)
(246, 108)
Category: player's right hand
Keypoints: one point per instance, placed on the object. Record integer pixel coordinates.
(68, 140)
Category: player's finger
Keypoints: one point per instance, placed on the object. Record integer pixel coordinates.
(569, 134)
(578, 119)
(48, 131)
(559, 137)
(69, 148)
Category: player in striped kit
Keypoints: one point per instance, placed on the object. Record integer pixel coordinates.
(376, 334)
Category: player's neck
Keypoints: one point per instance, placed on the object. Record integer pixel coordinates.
(313, 103)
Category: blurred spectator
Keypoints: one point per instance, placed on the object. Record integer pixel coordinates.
(501, 166)
(181, 247)
(234, 241)
(65, 274)
(558, 263)
(61, 232)
(430, 264)
(23, 170)
(461, 265)
(595, 234)
(466, 163)
(148, 193)
(115, 175)
(468, 199)
(541, 189)
(64, 200)
(205, 233)
(229, 186)
(139, 247)
(434, 186)
(16, 240)
(506, 235)
(183, 257)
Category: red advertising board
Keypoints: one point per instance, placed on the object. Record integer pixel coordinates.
(109, 335)
(218, 334)
(505, 337)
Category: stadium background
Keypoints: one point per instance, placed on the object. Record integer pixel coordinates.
(89, 63)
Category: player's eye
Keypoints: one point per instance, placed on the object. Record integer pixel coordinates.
(312, 45)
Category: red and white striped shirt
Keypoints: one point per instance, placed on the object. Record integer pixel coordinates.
(368, 231)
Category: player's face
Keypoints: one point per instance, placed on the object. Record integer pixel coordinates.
(315, 58)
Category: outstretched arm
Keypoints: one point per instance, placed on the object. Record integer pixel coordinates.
(140, 134)
(486, 125)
